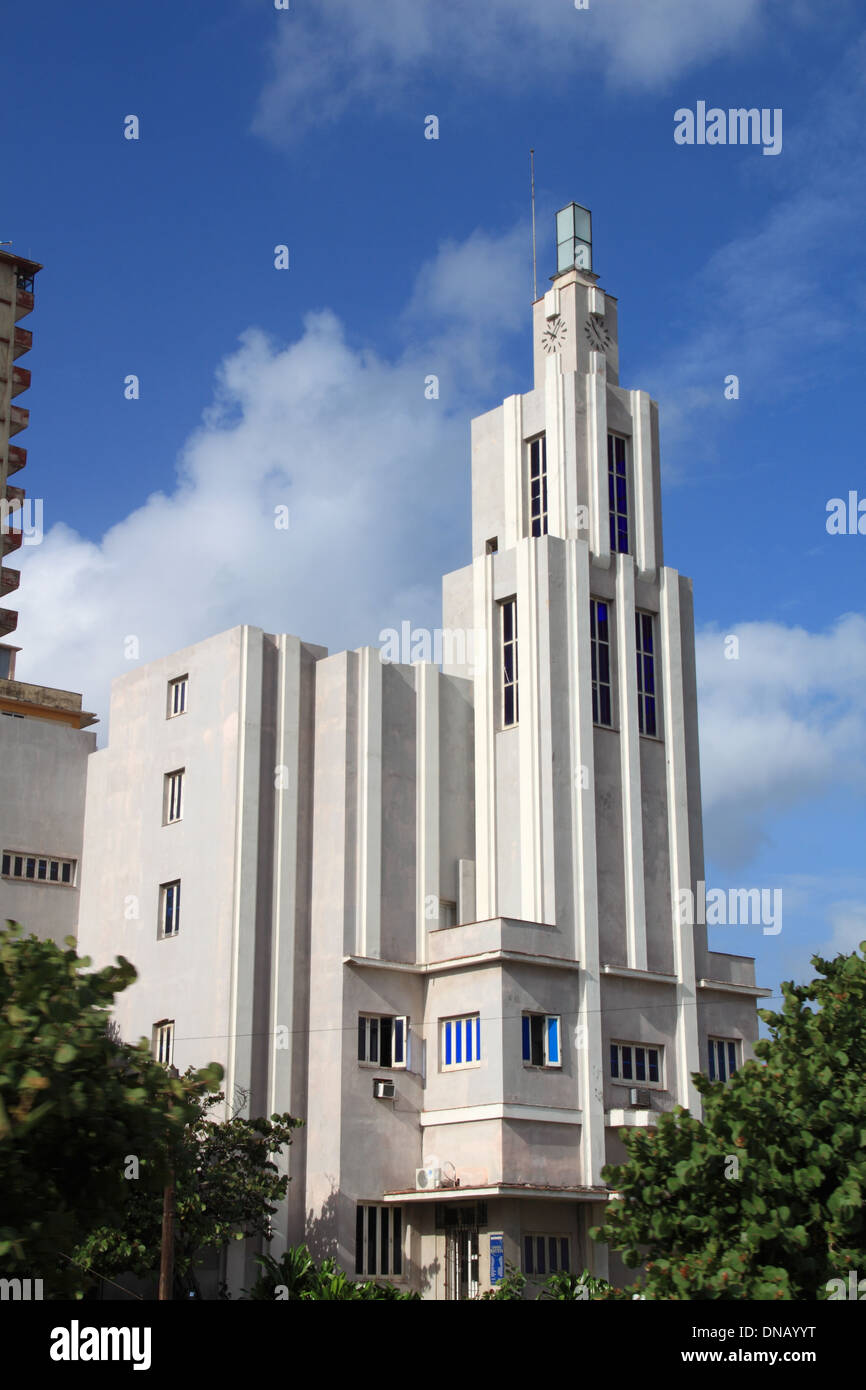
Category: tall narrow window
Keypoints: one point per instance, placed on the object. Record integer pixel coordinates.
(538, 486)
(378, 1240)
(177, 692)
(163, 1041)
(509, 662)
(617, 493)
(646, 674)
(173, 796)
(599, 635)
(169, 908)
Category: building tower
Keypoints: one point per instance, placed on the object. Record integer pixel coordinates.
(440, 907)
(43, 746)
(16, 301)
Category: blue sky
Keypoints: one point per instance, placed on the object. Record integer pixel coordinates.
(409, 256)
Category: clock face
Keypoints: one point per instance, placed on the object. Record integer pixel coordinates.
(597, 335)
(553, 336)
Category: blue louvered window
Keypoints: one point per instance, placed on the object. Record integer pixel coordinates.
(461, 1042)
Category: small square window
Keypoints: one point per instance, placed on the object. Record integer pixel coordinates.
(541, 1045)
(383, 1040)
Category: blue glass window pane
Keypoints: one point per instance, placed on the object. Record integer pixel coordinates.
(528, 1266)
(640, 1064)
(732, 1058)
(553, 1041)
(653, 1064)
(614, 1060)
(526, 1045)
(447, 1044)
(626, 1063)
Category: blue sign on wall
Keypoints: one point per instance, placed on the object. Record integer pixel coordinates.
(497, 1259)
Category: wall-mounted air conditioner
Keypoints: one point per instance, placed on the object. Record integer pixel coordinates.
(428, 1179)
(383, 1088)
(639, 1100)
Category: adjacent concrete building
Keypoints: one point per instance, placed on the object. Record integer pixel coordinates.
(436, 913)
(44, 743)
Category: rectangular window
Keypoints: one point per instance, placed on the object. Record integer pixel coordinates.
(617, 493)
(646, 679)
(538, 486)
(382, 1039)
(460, 1042)
(546, 1254)
(378, 1240)
(169, 908)
(38, 868)
(173, 797)
(541, 1033)
(163, 1041)
(509, 662)
(635, 1062)
(599, 638)
(177, 693)
(723, 1058)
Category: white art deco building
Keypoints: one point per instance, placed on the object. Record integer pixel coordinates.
(434, 912)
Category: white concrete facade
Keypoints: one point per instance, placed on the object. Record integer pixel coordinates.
(362, 840)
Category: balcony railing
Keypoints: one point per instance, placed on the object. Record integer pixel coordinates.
(22, 341)
(9, 581)
(20, 380)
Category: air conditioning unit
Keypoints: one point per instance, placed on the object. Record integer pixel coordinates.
(383, 1089)
(428, 1179)
(639, 1100)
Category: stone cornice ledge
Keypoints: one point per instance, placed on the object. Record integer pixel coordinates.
(439, 967)
(500, 1110)
(627, 972)
(725, 986)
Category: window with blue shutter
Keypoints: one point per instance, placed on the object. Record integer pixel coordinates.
(460, 1041)
(541, 1047)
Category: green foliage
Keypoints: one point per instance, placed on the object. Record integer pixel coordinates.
(294, 1278)
(226, 1188)
(511, 1286)
(787, 1216)
(74, 1103)
(560, 1287)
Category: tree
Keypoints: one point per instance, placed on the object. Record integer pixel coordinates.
(226, 1188)
(76, 1107)
(764, 1198)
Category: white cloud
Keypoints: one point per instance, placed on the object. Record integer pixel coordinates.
(329, 58)
(779, 726)
(373, 473)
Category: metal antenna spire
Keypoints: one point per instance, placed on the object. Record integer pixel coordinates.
(532, 199)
